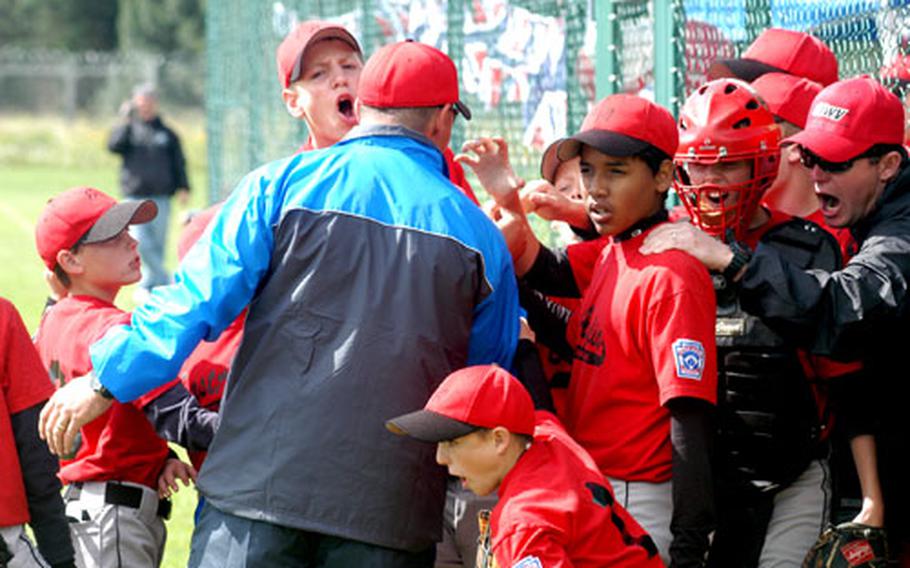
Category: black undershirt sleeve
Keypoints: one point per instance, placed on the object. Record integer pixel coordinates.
(548, 319)
(529, 371)
(551, 274)
(42, 489)
(691, 434)
(177, 417)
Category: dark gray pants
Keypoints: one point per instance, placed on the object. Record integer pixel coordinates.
(222, 540)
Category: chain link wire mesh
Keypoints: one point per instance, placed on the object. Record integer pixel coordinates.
(526, 66)
(526, 70)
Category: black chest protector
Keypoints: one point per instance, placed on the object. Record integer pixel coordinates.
(768, 422)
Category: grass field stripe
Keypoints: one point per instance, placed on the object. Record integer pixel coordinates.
(17, 219)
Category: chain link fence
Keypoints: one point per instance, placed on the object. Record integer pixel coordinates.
(526, 70)
(93, 84)
(527, 67)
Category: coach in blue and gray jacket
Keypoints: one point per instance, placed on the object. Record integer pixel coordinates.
(369, 277)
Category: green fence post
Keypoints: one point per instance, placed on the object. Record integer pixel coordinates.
(758, 18)
(607, 70)
(666, 39)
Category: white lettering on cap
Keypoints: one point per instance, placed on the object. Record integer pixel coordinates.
(831, 112)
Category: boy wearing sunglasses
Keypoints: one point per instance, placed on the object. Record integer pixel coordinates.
(852, 144)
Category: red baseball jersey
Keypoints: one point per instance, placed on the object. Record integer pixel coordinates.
(205, 371)
(457, 177)
(120, 444)
(556, 510)
(643, 335)
(583, 259)
(23, 384)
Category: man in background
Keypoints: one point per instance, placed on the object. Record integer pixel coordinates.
(153, 168)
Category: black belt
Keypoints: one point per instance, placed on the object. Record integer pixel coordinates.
(129, 496)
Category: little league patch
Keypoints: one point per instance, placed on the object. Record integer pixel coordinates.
(689, 356)
(528, 562)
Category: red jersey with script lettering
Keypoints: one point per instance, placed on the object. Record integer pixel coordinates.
(23, 384)
(643, 335)
(556, 510)
(119, 445)
(205, 371)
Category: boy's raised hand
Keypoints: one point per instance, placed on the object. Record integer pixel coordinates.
(489, 158)
(519, 237)
(540, 197)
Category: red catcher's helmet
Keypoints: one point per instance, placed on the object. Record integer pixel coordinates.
(726, 121)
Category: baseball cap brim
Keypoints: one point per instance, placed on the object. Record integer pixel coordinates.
(429, 426)
(610, 143)
(827, 145)
(549, 163)
(463, 109)
(746, 69)
(119, 217)
(331, 32)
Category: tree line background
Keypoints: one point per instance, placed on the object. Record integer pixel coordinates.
(84, 56)
(163, 26)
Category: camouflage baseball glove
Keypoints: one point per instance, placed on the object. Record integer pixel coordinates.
(849, 545)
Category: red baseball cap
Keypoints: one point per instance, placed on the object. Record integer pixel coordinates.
(291, 51)
(410, 74)
(849, 117)
(549, 162)
(623, 125)
(482, 396)
(86, 214)
(788, 96)
(779, 50)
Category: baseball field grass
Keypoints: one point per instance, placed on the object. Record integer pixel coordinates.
(40, 157)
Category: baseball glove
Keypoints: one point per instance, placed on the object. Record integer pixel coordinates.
(849, 545)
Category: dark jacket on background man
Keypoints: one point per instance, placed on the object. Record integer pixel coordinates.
(153, 163)
(859, 312)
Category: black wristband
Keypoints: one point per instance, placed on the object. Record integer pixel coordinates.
(99, 388)
(741, 257)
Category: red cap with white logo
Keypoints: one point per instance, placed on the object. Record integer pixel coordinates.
(849, 117)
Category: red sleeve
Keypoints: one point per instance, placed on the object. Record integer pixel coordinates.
(819, 367)
(457, 177)
(583, 258)
(22, 376)
(532, 548)
(681, 339)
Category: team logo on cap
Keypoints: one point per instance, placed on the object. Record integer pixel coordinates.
(689, 356)
(528, 562)
(831, 112)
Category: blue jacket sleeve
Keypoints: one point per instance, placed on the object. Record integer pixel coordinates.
(494, 335)
(213, 284)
